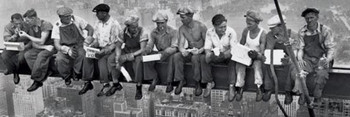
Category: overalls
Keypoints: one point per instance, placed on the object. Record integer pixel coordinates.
(71, 37)
(318, 74)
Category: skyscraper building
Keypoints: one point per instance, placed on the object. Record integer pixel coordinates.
(28, 104)
(3, 103)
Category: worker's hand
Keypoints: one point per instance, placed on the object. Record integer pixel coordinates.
(324, 63)
(253, 54)
(64, 49)
(22, 34)
(73, 52)
(302, 63)
(185, 53)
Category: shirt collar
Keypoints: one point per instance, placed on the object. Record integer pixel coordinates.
(304, 29)
(129, 34)
(214, 32)
(110, 19)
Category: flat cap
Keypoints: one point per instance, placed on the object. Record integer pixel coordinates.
(132, 19)
(309, 10)
(160, 17)
(64, 11)
(101, 7)
(185, 10)
(254, 15)
(275, 20)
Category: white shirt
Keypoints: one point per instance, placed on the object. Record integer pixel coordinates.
(254, 43)
(212, 39)
(79, 22)
(107, 33)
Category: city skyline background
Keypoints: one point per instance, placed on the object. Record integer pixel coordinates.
(54, 98)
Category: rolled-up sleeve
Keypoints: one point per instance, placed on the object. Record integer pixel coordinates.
(115, 30)
(55, 31)
(144, 36)
(329, 42)
(300, 39)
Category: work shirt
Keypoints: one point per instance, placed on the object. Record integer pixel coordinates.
(212, 39)
(106, 33)
(41, 26)
(163, 40)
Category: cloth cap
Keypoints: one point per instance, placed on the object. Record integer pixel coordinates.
(64, 11)
(185, 10)
(254, 15)
(131, 19)
(309, 10)
(275, 20)
(160, 17)
(101, 7)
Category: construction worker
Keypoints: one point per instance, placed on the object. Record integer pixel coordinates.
(135, 39)
(38, 57)
(68, 39)
(13, 59)
(276, 39)
(316, 51)
(191, 46)
(165, 39)
(105, 36)
(253, 37)
(222, 38)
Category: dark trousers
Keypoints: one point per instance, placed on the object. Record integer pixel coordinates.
(290, 72)
(136, 68)
(179, 63)
(38, 61)
(206, 68)
(66, 64)
(169, 59)
(89, 69)
(317, 77)
(12, 60)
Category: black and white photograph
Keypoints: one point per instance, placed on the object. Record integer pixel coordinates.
(174, 58)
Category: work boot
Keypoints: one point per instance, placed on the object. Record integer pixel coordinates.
(103, 90)
(288, 98)
(267, 96)
(239, 94)
(16, 78)
(198, 91)
(7, 72)
(153, 85)
(87, 86)
(34, 86)
(210, 85)
(138, 95)
(259, 95)
(67, 81)
(114, 88)
(301, 100)
(178, 89)
(169, 87)
(232, 93)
